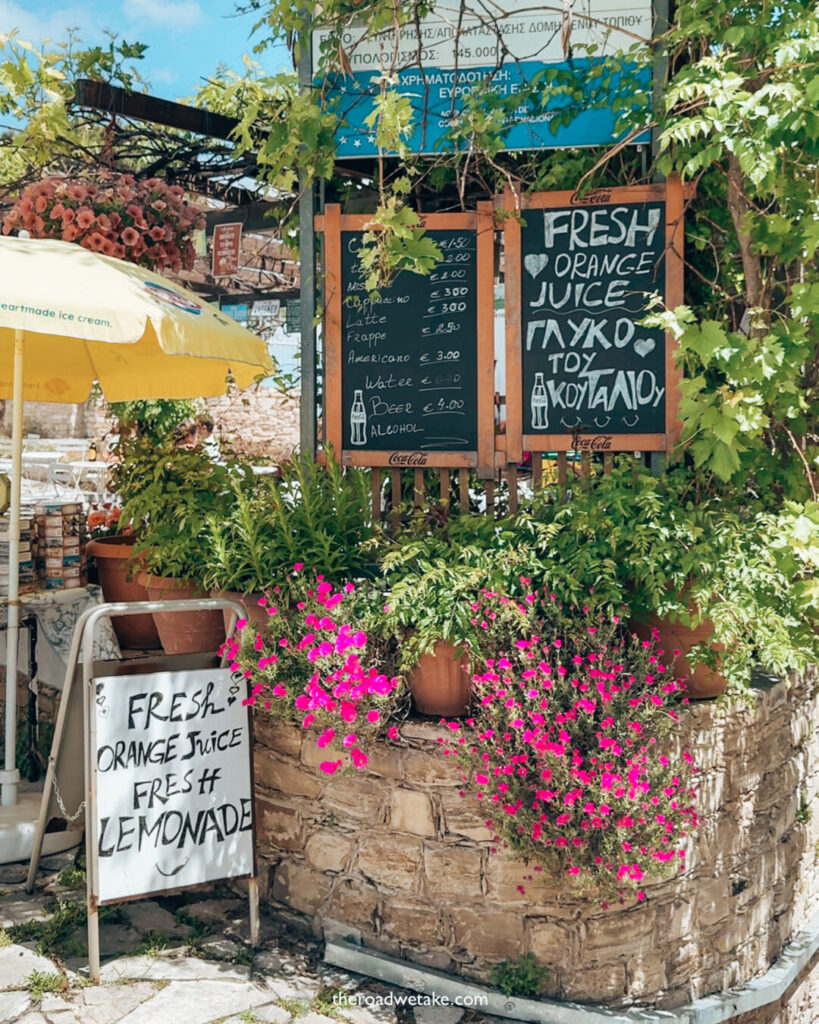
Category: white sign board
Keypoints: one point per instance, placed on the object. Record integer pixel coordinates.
(266, 307)
(460, 45)
(174, 793)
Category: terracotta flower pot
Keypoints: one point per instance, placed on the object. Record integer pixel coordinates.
(183, 632)
(701, 681)
(439, 684)
(113, 555)
(254, 613)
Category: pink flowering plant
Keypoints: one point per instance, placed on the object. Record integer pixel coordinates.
(313, 663)
(571, 747)
(144, 221)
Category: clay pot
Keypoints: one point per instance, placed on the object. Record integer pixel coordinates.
(701, 681)
(439, 684)
(115, 568)
(183, 632)
(256, 616)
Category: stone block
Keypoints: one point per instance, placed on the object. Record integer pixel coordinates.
(552, 943)
(503, 876)
(278, 824)
(389, 860)
(300, 887)
(596, 984)
(492, 934)
(462, 817)
(428, 732)
(646, 976)
(353, 902)
(411, 811)
(675, 920)
(275, 773)
(357, 798)
(328, 850)
(312, 754)
(452, 870)
(386, 760)
(713, 901)
(432, 769)
(413, 922)
(619, 935)
(280, 737)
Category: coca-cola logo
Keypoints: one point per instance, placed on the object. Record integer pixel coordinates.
(408, 459)
(598, 197)
(598, 443)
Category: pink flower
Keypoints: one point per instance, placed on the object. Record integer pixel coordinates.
(330, 767)
(358, 757)
(325, 738)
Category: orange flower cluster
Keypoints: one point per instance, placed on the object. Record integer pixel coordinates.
(143, 221)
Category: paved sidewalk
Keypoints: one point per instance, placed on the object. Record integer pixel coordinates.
(178, 960)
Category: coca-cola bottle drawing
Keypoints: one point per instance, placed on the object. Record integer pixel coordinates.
(358, 420)
(540, 404)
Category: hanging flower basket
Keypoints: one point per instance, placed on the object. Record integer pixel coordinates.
(144, 221)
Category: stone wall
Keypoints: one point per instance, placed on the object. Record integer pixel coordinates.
(394, 857)
(255, 423)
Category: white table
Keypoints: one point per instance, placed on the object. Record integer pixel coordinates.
(97, 470)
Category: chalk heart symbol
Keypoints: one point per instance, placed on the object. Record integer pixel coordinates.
(535, 263)
(644, 345)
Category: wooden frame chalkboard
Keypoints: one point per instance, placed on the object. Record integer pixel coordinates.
(557, 324)
(475, 351)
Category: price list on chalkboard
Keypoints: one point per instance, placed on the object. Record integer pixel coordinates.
(409, 359)
(588, 366)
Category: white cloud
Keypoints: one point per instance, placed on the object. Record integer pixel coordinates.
(36, 24)
(170, 13)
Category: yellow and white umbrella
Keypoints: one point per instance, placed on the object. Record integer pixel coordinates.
(69, 317)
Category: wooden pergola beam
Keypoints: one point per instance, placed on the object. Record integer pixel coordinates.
(112, 99)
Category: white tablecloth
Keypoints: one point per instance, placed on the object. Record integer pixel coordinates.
(57, 612)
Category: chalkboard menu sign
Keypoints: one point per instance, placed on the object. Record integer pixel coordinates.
(582, 372)
(409, 374)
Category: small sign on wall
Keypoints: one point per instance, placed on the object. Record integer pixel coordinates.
(171, 777)
(227, 243)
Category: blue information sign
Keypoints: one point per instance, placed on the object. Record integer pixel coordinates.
(461, 48)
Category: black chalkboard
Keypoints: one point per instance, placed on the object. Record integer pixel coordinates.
(409, 359)
(585, 275)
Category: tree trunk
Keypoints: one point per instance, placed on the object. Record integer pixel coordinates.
(738, 207)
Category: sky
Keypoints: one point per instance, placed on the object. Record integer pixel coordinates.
(186, 39)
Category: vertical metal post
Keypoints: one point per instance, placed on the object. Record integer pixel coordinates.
(10, 776)
(307, 261)
(91, 840)
(662, 23)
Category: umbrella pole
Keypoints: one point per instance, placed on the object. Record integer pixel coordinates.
(11, 776)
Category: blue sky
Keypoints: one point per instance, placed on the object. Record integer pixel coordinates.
(187, 39)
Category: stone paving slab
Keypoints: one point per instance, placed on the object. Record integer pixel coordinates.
(198, 1002)
(13, 1004)
(165, 968)
(17, 911)
(148, 916)
(17, 962)
(107, 1004)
